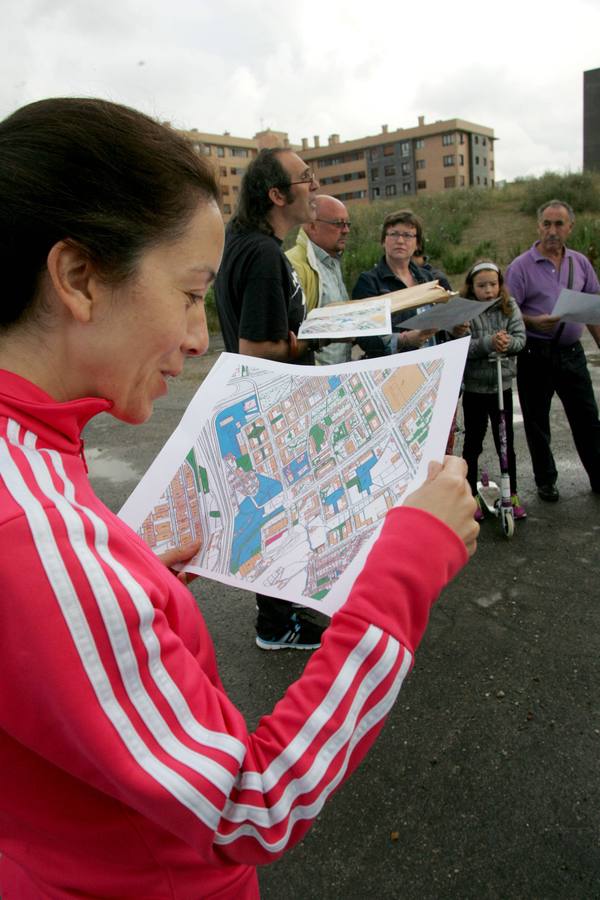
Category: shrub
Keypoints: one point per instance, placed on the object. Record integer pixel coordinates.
(585, 238)
(456, 261)
(212, 318)
(580, 189)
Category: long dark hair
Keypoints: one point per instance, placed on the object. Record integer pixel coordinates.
(263, 173)
(98, 174)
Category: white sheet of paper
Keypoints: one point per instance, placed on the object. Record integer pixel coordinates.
(575, 306)
(447, 315)
(348, 320)
(286, 472)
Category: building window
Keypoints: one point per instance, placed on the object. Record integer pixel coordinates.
(220, 151)
(406, 187)
(223, 170)
(478, 180)
(226, 208)
(374, 152)
(485, 161)
(419, 143)
(476, 139)
(476, 160)
(235, 189)
(447, 139)
(406, 168)
(461, 138)
(239, 151)
(483, 141)
(421, 185)
(390, 190)
(389, 170)
(485, 181)
(375, 193)
(450, 181)
(388, 150)
(462, 181)
(405, 148)
(225, 189)
(375, 173)
(420, 164)
(448, 160)
(461, 160)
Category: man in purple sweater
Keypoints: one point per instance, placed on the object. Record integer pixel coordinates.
(553, 360)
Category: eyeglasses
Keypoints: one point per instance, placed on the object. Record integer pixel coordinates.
(306, 177)
(405, 235)
(337, 223)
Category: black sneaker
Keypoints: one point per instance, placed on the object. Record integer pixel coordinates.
(548, 492)
(298, 634)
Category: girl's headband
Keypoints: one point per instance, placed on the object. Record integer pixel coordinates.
(485, 265)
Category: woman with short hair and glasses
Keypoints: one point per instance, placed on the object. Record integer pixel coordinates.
(401, 235)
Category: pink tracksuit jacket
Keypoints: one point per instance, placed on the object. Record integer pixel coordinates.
(125, 770)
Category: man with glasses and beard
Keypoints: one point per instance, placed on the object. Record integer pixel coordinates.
(261, 305)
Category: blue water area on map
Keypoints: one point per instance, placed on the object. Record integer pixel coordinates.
(297, 469)
(267, 489)
(363, 473)
(247, 528)
(334, 497)
(246, 535)
(334, 382)
(227, 434)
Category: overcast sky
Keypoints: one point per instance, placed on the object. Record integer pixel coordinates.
(318, 67)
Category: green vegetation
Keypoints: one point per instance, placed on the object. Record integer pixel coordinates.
(462, 226)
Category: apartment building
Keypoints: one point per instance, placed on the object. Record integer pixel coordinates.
(428, 158)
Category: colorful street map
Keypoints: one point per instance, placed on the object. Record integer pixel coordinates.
(286, 472)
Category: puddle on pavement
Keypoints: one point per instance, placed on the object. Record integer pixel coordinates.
(102, 465)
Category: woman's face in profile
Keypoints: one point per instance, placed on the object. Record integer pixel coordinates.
(146, 326)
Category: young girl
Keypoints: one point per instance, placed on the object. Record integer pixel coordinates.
(499, 329)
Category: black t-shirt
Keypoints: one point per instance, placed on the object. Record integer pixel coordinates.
(257, 292)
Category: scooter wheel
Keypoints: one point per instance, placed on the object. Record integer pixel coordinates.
(508, 523)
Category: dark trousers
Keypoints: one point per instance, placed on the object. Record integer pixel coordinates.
(477, 409)
(273, 615)
(543, 369)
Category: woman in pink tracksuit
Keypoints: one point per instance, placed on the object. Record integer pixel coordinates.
(125, 770)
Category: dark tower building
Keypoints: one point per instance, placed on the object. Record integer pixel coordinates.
(591, 120)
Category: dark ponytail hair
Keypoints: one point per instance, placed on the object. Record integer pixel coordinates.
(95, 173)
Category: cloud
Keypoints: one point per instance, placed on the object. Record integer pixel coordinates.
(322, 67)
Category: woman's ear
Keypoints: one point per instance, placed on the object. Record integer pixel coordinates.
(72, 277)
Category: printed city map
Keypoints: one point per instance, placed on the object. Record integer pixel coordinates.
(285, 473)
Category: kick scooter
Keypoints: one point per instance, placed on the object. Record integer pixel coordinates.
(497, 500)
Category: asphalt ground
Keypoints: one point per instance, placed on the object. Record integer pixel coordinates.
(485, 781)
